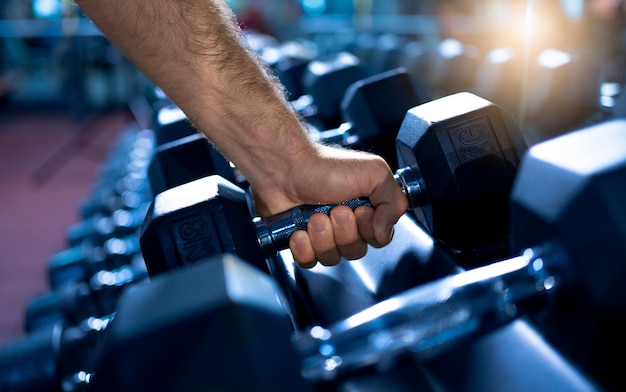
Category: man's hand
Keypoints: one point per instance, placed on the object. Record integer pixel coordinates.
(332, 175)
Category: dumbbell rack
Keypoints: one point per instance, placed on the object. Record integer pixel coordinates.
(104, 261)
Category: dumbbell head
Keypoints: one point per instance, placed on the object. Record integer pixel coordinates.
(77, 300)
(80, 262)
(196, 220)
(376, 106)
(72, 302)
(171, 123)
(326, 79)
(51, 358)
(217, 325)
(569, 198)
(186, 159)
(465, 150)
(289, 61)
(572, 189)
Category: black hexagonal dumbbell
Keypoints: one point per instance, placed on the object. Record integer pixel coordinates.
(458, 157)
(56, 357)
(122, 183)
(324, 83)
(232, 304)
(211, 216)
(74, 301)
(372, 110)
(182, 153)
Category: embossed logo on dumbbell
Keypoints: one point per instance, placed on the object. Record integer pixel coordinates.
(473, 139)
(196, 238)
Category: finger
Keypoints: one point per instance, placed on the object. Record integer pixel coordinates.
(322, 239)
(345, 230)
(365, 222)
(301, 249)
(383, 221)
(390, 204)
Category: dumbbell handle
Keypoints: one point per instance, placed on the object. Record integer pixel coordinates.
(428, 319)
(273, 232)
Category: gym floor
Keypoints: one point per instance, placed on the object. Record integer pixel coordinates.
(49, 162)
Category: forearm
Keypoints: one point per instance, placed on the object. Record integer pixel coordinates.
(192, 50)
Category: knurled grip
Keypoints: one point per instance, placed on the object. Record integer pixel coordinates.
(273, 233)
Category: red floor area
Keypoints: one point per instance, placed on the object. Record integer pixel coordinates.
(49, 163)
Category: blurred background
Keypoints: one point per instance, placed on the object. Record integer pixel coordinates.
(66, 93)
(552, 62)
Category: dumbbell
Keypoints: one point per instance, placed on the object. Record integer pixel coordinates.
(57, 357)
(186, 159)
(324, 83)
(362, 45)
(81, 262)
(231, 302)
(241, 315)
(101, 227)
(372, 110)
(386, 53)
(553, 104)
(289, 61)
(75, 301)
(416, 58)
(208, 195)
(122, 183)
(571, 271)
(172, 156)
(86, 280)
(458, 157)
(170, 124)
(463, 152)
(499, 77)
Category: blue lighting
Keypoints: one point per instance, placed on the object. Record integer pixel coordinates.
(314, 6)
(47, 8)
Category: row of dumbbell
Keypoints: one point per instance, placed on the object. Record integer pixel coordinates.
(539, 90)
(516, 275)
(103, 255)
(537, 85)
(437, 220)
(549, 280)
